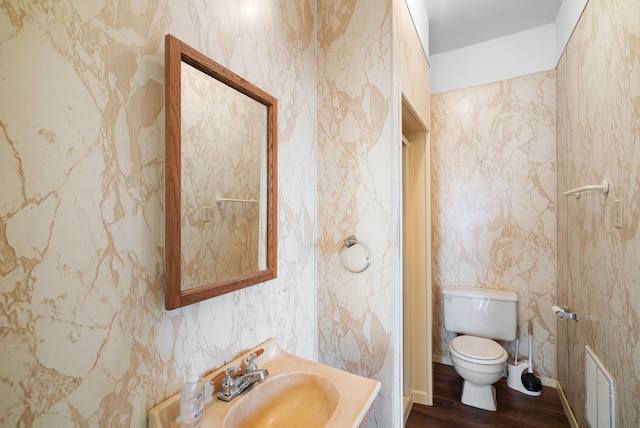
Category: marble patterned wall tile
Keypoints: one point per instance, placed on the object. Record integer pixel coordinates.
(600, 93)
(561, 152)
(355, 165)
(359, 185)
(413, 74)
(494, 197)
(411, 63)
(85, 337)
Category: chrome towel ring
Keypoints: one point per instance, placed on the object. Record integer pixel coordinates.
(349, 243)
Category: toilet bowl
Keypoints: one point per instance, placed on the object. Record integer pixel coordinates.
(481, 363)
(479, 315)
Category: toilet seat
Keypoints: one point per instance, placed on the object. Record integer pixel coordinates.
(477, 350)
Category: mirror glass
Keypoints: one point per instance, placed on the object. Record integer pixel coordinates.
(223, 171)
(220, 179)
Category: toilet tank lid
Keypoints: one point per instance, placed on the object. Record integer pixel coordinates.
(481, 293)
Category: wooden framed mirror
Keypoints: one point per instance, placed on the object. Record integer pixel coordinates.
(220, 179)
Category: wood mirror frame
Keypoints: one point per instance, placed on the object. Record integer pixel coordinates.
(176, 53)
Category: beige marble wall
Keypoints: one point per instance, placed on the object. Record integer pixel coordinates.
(412, 67)
(356, 160)
(223, 143)
(494, 202)
(599, 138)
(359, 188)
(412, 72)
(85, 339)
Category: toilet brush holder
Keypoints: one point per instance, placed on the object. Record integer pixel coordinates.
(514, 377)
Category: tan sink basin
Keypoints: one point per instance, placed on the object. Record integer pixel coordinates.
(289, 400)
(297, 393)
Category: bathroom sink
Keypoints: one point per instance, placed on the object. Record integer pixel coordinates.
(287, 400)
(296, 393)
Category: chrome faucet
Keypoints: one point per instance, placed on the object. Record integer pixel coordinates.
(231, 388)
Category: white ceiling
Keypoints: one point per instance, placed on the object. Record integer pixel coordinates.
(454, 24)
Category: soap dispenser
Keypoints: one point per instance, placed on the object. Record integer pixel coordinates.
(192, 396)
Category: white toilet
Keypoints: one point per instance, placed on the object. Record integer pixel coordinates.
(479, 315)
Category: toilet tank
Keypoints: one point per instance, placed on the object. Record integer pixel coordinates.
(481, 312)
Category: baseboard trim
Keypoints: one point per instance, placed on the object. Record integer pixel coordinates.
(447, 361)
(553, 383)
(567, 408)
(442, 360)
(420, 397)
(408, 403)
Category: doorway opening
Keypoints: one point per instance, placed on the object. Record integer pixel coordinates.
(417, 379)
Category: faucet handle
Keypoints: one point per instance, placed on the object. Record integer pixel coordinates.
(251, 366)
(227, 383)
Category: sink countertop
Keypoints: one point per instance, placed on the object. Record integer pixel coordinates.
(355, 393)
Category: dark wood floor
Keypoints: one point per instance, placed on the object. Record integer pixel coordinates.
(515, 409)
